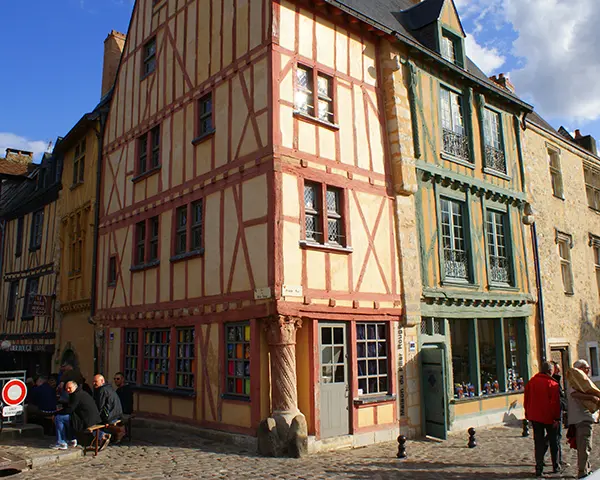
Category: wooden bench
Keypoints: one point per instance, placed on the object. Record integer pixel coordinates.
(96, 432)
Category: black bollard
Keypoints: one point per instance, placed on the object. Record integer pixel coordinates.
(525, 432)
(472, 441)
(402, 448)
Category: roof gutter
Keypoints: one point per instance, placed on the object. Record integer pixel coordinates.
(430, 54)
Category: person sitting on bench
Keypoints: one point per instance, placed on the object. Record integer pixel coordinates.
(109, 406)
(124, 392)
(78, 415)
(42, 399)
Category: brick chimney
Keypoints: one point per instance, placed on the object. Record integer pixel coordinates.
(113, 48)
(22, 157)
(503, 81)
(587, 142)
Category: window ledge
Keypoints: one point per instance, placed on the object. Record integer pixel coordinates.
(186, 255)
(146, 174)
(164, 391)
(374, 399)
(505, 287)
(570, 294)
(496, 173)
(324, 246)
(448, 282)
(483, 397)
(316, 121)
(238, 398)
(461, 161)
(144, 266)
(75, 185)
(200, 138)
(559, 198)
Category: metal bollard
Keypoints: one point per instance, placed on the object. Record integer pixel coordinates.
(472, 441)
(525, 432)
(402, 448)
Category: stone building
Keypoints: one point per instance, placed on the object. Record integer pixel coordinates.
(563, 183)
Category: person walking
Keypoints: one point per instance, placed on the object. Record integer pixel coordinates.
(582, 419)
(542, 409)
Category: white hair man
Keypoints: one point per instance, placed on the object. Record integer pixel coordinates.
(582, 419)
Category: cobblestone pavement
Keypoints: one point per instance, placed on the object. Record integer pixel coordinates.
(158, 454)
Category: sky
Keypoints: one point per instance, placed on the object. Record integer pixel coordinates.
(51, 60)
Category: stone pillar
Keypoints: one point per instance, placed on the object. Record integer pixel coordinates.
(285, 432)
(281, 337)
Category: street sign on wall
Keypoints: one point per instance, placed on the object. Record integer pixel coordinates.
(40, 305)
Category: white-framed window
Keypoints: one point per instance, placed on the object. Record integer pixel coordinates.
(593, 359)
(454, 242)
(494, 144)
(450, 48)
(454, 133)
(592, 186)
(555, 173)
(496, 223)
(595, 244)
(565, 243)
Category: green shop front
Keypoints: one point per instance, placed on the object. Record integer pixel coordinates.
(475, 358)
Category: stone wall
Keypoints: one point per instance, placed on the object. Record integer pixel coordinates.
(571, 320)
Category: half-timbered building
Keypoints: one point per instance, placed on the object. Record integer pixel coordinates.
(29, 268)
(247, 217)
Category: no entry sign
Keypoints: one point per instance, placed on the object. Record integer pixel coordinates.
(14, 392)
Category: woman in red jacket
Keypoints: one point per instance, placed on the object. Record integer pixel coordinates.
(542, 409)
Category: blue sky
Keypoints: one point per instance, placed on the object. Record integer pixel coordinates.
(51, 63)
(51, 60)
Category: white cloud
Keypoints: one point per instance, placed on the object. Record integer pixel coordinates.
(11, 140)
(558, 41)
(489, 59)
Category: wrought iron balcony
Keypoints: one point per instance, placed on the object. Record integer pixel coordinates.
(456, 264)
(495, 159)
(456, 144)
(499, 269)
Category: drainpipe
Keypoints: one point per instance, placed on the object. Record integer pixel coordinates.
(540, 295)
(101, 117)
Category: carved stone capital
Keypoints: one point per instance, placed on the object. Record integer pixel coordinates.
(281, 329)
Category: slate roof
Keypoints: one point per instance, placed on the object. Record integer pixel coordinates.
(404, 19)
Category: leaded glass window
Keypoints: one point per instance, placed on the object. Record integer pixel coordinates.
(372, 358)
(149, 60)
(205, 115)
(312, 212)
(456, 265)
(181, 230)
(237, 338)
(196, 226)
(334, 216)
(304, 90)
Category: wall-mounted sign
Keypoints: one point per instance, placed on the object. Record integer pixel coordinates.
(31, 348)
(262, 293)
(41, 305)
(291, 291)
(412, 347)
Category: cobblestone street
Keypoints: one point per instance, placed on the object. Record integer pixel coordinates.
(158, 453)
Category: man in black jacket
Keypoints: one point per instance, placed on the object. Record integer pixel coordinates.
(80, 413)
(124, 392)
(107, 401)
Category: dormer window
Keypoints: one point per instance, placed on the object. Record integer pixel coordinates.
(451, 48)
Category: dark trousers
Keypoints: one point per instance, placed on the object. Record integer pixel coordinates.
(559, 432)
(541, 431)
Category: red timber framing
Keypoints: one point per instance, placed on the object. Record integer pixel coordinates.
(230, 50)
